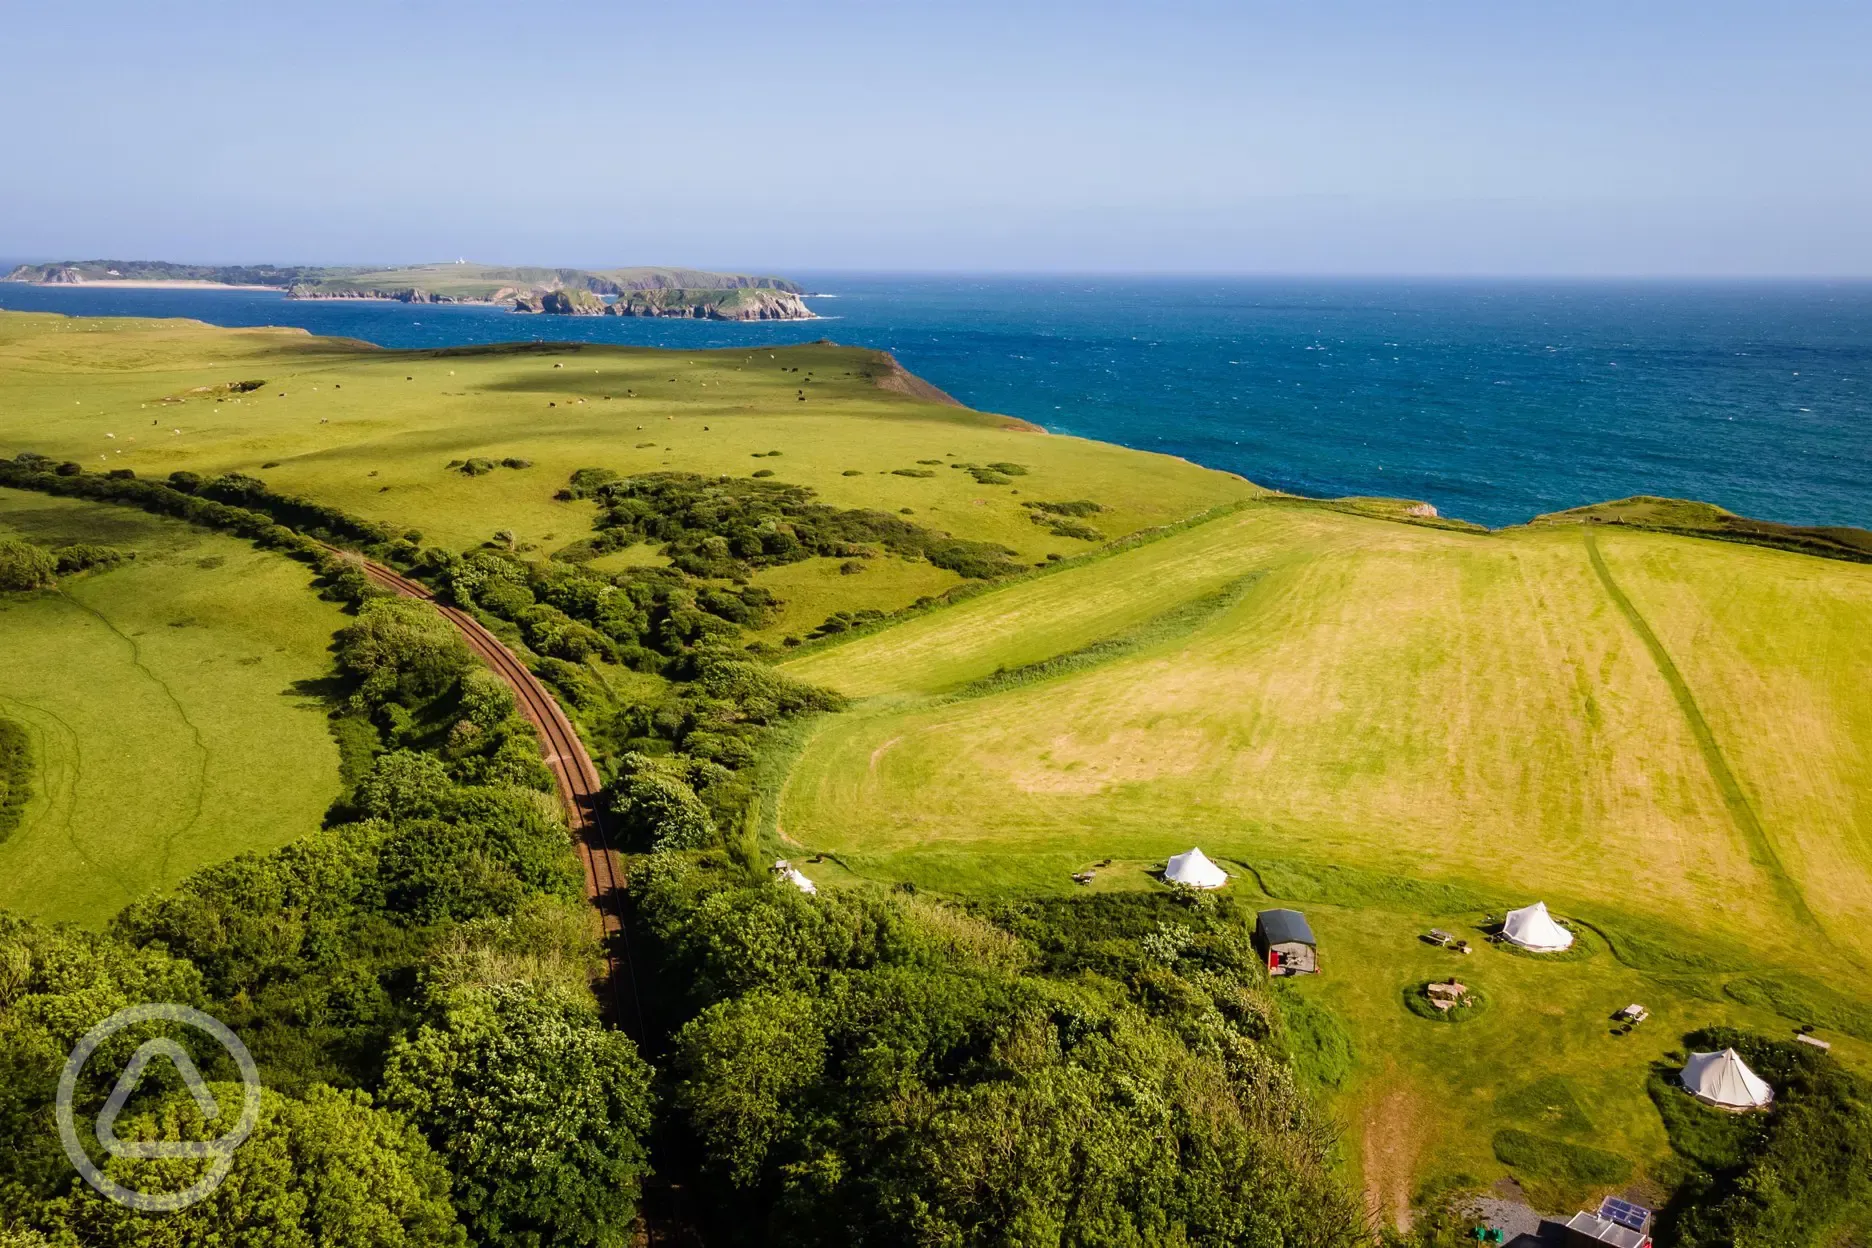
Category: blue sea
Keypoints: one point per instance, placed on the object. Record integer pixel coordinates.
(1495, 400)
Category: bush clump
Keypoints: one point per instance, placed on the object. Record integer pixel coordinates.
(727, 527)
(402, 650)
(24, 567)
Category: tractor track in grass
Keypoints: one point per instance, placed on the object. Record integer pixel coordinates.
(579, 789)
(1741, 811)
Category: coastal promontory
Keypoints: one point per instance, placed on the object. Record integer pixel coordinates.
(640, 291)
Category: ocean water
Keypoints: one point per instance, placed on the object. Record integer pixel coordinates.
(1495, 401)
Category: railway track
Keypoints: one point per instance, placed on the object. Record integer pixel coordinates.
(580, 790)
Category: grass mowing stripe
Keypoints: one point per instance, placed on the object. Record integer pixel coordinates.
(1179, 621)
(1761, 849)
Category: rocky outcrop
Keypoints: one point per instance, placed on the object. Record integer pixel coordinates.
(561, 303)
(737, 304)
(408, 294)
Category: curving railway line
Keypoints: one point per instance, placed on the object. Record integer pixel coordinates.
(579, 788)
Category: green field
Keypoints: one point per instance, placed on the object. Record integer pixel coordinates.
(374, 432)
(1400, 726)
(1393, 725)
(164, 704)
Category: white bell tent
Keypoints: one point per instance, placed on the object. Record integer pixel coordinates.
(1194, 870)
(1725, 1081)
(792, 875)
(1532, 927)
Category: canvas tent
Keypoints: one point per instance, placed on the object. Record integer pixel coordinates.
(1195, 870)
(1285, 939)
(1725, 1081)
(791, 874)
(1532, 927)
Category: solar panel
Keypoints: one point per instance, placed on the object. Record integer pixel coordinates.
(1624, 1213)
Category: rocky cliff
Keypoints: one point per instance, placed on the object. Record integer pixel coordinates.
(560, 303)
(741, 304)
(408, 294)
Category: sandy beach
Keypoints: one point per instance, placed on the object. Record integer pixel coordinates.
(180, 284)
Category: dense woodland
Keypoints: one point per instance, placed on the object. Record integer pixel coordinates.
(862, 1066)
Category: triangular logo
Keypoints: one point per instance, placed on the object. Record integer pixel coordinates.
(127, 1083)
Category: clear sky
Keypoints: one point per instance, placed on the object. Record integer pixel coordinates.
(1290, 136)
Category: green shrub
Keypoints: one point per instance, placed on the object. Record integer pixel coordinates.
(728, 526)
(404, 784)
(25, 567)
(401, 649)
(656, 807)
(486, 699)
(1317, 1042)
(331, 1169)
(82, 558)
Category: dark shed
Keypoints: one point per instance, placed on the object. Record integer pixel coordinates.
(1286, 941)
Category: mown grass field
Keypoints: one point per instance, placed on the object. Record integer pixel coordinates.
(169, 726)
(1400, 727)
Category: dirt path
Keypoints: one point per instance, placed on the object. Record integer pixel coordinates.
(579, 788)
(1392, 1129)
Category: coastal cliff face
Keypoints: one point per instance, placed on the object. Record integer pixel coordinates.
(740, 304)
(408, 294)
(560, 303)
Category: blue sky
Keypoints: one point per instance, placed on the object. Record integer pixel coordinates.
(1432, 136)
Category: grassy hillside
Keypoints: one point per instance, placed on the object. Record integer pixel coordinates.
(162, 702)
(1398, 727)
(1390, 721)
(376, 432)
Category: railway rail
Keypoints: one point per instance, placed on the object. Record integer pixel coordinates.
(580, 789)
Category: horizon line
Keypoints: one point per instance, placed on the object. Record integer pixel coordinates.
(1176, 272)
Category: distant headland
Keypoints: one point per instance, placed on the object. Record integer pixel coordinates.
(643, 291)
